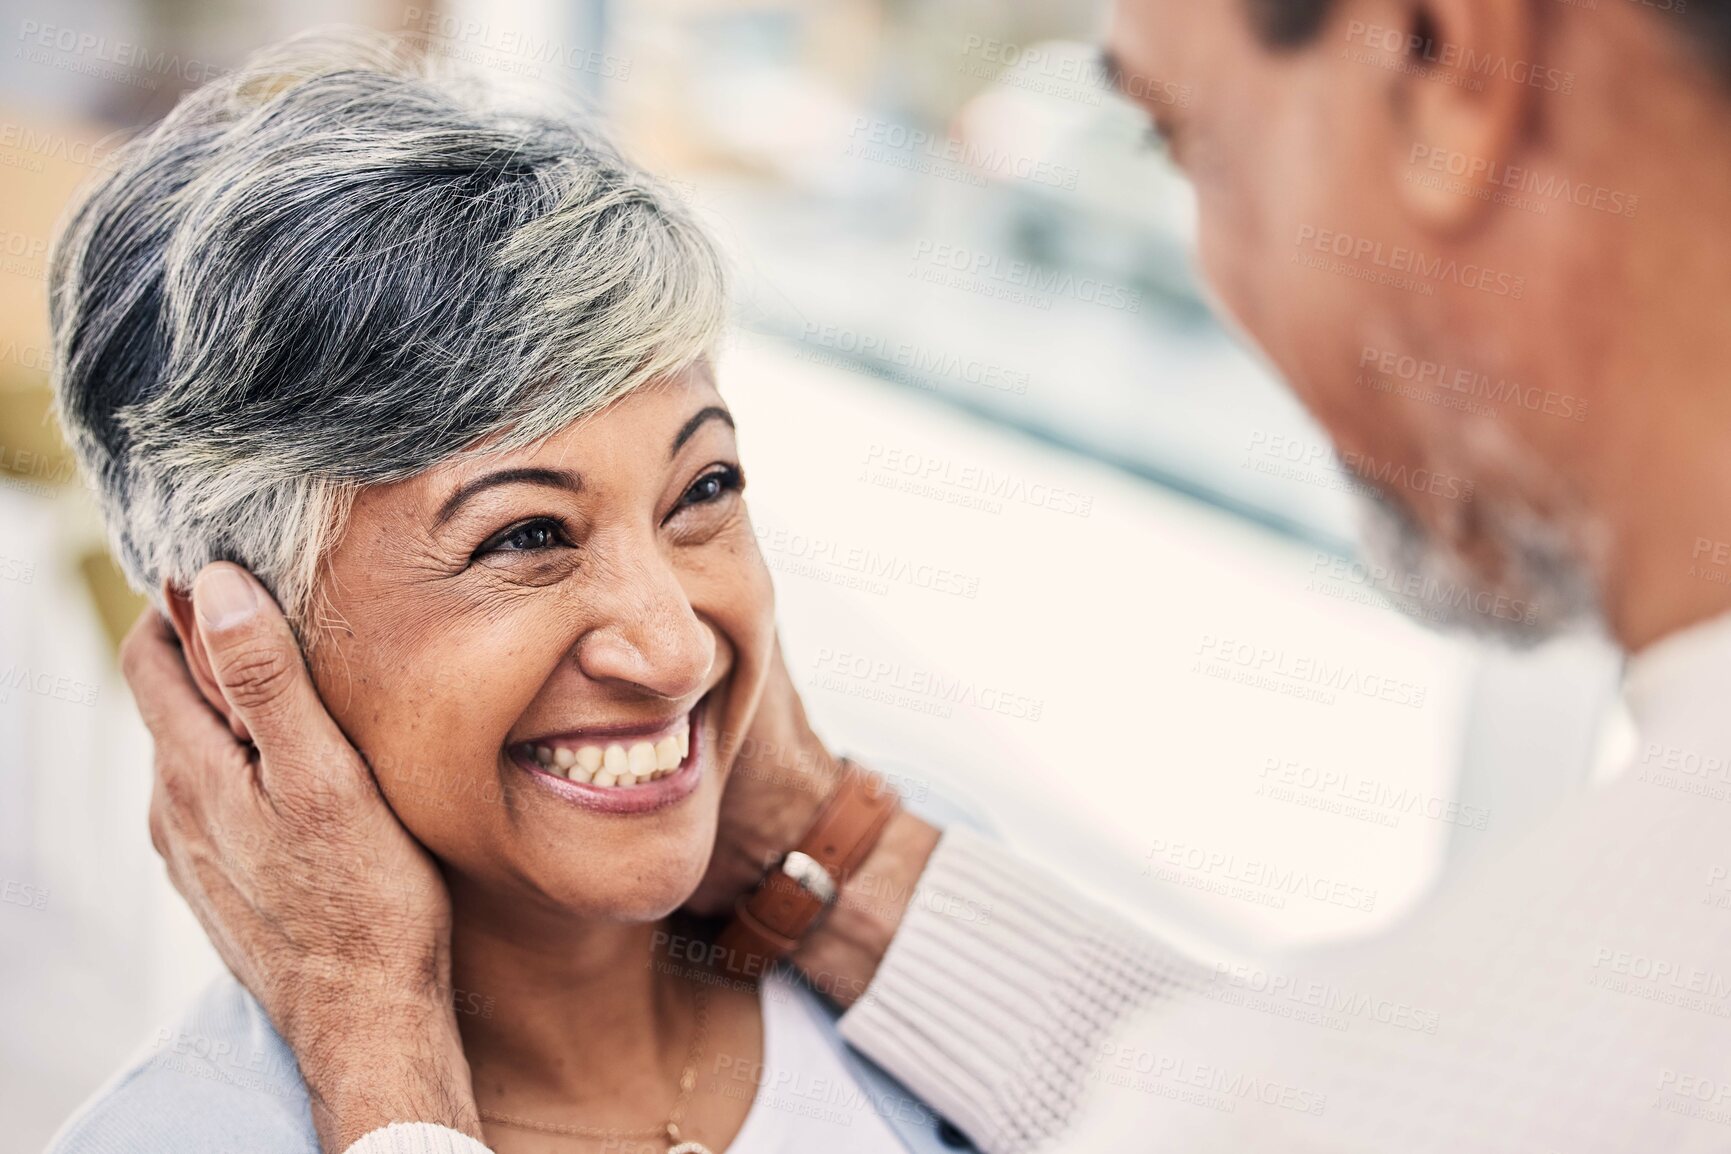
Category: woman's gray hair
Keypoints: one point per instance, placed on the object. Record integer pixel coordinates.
(332, 268)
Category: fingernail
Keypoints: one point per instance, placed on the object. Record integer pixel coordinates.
(223, 598)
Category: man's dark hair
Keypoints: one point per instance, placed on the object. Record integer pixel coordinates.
(1707, 23)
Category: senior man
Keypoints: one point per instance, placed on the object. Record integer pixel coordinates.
(1484, 238)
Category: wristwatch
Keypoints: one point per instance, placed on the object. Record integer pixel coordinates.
(770, 922)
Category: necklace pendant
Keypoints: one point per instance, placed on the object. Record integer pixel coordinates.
(675, 1146)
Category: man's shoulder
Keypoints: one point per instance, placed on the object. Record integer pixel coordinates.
(219, 1081)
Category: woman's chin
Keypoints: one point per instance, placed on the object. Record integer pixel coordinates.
(636, 901)
(641, 886)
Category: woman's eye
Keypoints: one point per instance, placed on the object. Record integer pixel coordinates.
(529, 537)
(712, 485)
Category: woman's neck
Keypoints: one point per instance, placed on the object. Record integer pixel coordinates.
(566, 1021)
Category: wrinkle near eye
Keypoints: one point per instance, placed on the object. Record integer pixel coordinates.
(527, 569)
(699, 524)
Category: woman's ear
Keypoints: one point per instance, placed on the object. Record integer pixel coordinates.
(185, 620)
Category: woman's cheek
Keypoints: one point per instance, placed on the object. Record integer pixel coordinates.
(748, 619)
(425, 734)
(758, 587)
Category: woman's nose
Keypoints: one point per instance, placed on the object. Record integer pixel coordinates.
(650, 641)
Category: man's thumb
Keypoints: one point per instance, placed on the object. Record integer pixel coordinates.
(255, 661)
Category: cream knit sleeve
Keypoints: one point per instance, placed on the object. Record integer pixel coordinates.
(416, 1138)
(1002, 984)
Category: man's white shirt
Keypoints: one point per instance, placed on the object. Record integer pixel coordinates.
(1568, 993)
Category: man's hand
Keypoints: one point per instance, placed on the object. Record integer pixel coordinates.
(311, 891)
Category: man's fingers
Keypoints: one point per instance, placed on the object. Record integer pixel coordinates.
(255, 660)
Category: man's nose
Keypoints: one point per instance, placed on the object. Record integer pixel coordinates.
(650, 640)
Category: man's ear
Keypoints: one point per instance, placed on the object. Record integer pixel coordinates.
(1464, 92)
(185, 620)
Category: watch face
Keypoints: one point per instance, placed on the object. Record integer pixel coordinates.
(812, 877)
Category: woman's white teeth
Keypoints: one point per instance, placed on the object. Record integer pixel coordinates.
(617, 764)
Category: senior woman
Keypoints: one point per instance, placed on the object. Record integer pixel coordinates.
(437, 373)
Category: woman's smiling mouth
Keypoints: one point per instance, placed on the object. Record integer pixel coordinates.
(618, 771)
(615, 759)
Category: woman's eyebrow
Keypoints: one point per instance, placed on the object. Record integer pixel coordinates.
(696, 422)
(553, 478)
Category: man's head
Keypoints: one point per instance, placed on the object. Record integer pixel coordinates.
(1472, 235)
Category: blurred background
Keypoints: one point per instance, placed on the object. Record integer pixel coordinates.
(1045, 535)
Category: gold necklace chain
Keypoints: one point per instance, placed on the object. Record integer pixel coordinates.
(668, 1130)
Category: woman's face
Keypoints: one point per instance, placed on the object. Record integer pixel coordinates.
(548, 655)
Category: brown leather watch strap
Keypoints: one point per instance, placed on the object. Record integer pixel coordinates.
(769, 923)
